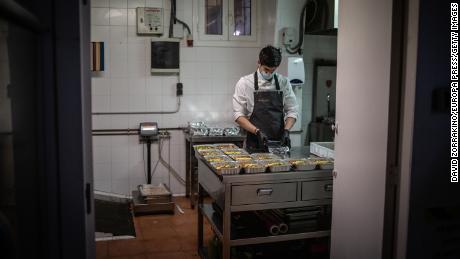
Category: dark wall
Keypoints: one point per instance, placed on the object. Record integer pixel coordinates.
(434, 217)
(45, 153)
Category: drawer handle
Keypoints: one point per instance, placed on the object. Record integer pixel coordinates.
(328, 187)
(264, 191)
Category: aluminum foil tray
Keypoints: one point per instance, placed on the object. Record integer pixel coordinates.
(210, 152)
(277, 165)
(203, 147)
(322, 163)
(213, 159)
(302, 164)
(215, 131)
(252, 167)
(231, 131)
(151, 191)
(241, 157)
(225, 145)
(264, 156)
(226, 168)
(234, 151)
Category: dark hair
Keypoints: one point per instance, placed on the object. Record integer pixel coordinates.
(270, 56)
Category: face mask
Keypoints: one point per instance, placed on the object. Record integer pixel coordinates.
(267, 76)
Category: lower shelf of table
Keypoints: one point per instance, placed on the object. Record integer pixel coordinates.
(208, 211)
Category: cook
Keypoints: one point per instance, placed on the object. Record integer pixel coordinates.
(264, 103)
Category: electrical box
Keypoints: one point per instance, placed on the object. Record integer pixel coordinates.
(165, 55)
(178, 31)
(149, 21)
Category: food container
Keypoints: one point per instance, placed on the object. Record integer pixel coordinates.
(277, 165)
(231, 131)
(213, 159)
(264, 156)
(252, 167)
(322, 163)
(302, 164)
(234, 151)
(198, 128)
(216, 131)
(210, 152)
(226, 168)
(203, 147)
(225, 146)
(241, 157)
(323, 149)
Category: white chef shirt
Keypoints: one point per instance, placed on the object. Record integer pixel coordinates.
(243, 98)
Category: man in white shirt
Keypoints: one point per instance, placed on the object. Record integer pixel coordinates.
(264, 103)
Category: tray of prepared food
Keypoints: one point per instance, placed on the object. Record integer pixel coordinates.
(212, 159)
(234, 151)
(226, 168)
(210, 152)
(252, 167)
(264, 156)
(322, 162)
(203, 147)
(245, 157)
(225, 145)
(302, 164)
(277, 165)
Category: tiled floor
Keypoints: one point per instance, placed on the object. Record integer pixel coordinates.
(158, 237)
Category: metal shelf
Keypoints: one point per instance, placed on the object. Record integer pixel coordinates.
(207, 211)
(278, 238)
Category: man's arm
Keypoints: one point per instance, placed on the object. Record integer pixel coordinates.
(291, 107)
(246, 124)
(289, 122)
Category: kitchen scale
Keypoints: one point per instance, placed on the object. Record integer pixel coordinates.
(150, 198)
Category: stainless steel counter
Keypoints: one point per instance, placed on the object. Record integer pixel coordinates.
(191, 175)
(249, 192)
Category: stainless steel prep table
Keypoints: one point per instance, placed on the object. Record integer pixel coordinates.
(243, 193)
(191, 175)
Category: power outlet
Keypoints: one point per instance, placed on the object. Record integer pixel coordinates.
(179, 89)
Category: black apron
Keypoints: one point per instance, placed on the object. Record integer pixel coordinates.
(267, 116)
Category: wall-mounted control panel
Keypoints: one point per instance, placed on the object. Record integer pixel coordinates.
(149, 21)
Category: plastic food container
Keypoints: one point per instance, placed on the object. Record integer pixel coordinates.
(210, 152)
(203, 147)
(225, 146)
(235, 151)
(226, 168)
(264, 156)
(277, 165)
(323, 149)
(213, 159)
(252, 167)
(241, 157)
(322, 163)
(302, 164)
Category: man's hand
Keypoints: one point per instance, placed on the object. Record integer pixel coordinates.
(262, 138)
(285, 140)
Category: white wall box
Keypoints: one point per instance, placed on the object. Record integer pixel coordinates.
(149, 21)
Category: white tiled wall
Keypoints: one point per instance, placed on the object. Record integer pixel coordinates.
(208, 74)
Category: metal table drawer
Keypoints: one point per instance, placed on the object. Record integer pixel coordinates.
(264, 193)
(315, 190)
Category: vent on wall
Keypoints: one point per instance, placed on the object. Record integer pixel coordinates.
(97, 56)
